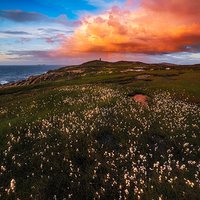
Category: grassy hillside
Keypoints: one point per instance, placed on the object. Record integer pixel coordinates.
(77, 133)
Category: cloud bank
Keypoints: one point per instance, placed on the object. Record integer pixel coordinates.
(20, 16)
(15, 32)
(155, 27)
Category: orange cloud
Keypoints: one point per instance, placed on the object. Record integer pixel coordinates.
(157, 26)
(182, 8)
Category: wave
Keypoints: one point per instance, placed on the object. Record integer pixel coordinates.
(3, 82)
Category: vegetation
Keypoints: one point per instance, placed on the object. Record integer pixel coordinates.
(82, 135)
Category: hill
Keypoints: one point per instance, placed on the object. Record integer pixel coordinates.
(102, 130)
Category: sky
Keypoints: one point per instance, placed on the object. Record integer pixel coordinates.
(71, 32)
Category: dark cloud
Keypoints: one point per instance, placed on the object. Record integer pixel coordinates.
(35, 57)
(32, 53)
(49, 30)
(15, 32)
(21, 16)
(25, 17)
(192, 48)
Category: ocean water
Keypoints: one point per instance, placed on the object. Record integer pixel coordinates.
(12, 73)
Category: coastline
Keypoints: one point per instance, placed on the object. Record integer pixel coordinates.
(59, 71)
(10, 74)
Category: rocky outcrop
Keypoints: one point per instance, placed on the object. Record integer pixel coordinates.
(49, 76)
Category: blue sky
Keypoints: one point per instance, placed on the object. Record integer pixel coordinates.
(30, 29)
(41, 21)
(48, 7)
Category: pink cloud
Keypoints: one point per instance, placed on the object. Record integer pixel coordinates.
(157, 26)
(57, 38)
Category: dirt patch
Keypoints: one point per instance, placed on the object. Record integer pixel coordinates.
(76, 71)
(133, 70)
(139, 70)
(128, 70)
(141, 99)
(141, 77)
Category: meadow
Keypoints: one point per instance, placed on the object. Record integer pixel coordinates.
(83, 136)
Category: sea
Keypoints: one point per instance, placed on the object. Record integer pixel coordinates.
(12, 73)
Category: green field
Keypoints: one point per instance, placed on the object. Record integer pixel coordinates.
(82, 135)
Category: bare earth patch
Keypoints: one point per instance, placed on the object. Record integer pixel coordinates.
(133, 70)
(141, 99)
(128, 70)
(77, 71)
(141, 77)
(139, 70)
